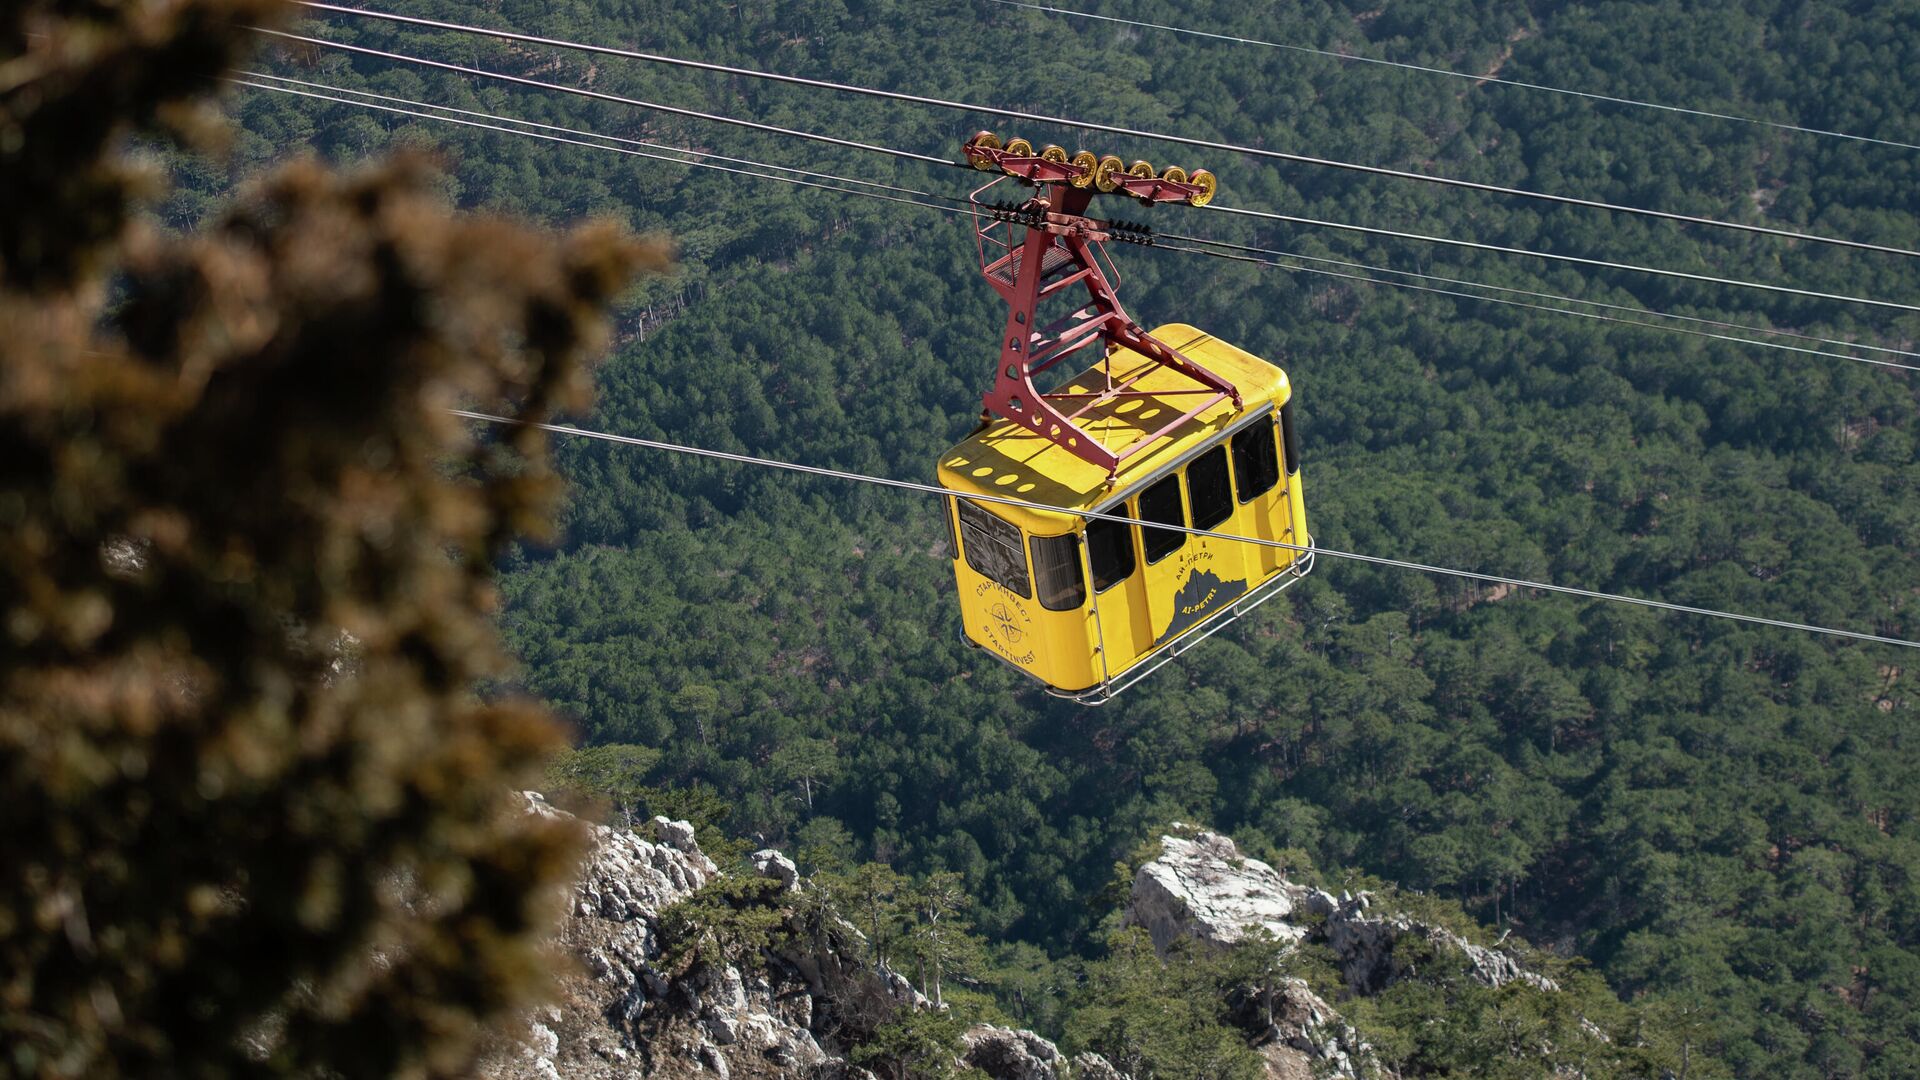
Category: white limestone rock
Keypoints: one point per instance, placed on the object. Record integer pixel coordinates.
(1010, 1054)
(1005, 1054)
(1202, 887)
(621, 998)
(1370, 962)
(1091, 1066)
(1306, 1037)
(542, 1041)
(624, 1012)
(769, 863)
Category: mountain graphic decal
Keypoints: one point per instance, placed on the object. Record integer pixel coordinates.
(1202, 595)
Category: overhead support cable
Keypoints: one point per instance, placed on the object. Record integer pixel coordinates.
(955, 205)
(573, 131)
(1593, 315)
(578, 91)
(597, 95)
(1332, 553)
(1356, 58)
(1086, 125)
(598, 145)
(1628, 308)
(1578, 260)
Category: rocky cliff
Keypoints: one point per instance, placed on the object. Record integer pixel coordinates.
(1201, 888)
(624, 1013)
(621, 1015)
(785, 1012)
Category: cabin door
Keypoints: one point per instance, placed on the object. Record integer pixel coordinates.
(1191, 578)
(1163, 554)
(1120, 592)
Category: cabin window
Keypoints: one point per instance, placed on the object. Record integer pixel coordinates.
(1056, 572)
(1293, 441)
(1209, 496)
(1160, 504)
(1254, 467)
(946, 512)
(993, 548)
(1110, 552)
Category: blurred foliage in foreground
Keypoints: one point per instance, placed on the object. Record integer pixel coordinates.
(255, 819)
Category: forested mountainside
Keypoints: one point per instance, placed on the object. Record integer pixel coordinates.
(1719, 817)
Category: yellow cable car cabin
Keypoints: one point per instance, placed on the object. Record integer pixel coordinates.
(1089, 607)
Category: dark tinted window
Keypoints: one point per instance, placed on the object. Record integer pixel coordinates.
(1208, 499)
(993, 548)
(953, 545)
(1160, 504)
(1056, 570)
(1293, 441)
(1110, 551)
(1255, 467)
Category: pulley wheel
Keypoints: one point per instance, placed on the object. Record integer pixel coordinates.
(1203, 180)
(987, 140)
(1088, 161)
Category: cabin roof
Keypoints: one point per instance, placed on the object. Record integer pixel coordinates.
(1007, 459)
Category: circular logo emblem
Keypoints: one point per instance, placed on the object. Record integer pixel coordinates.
(1003, 620)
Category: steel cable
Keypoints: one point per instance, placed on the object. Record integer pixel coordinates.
(1840, 342)
(929, 159)
(1358, 59)
(597, 95)
(1593, 315)
(1332, 553)
(957, 205)
(575, 131)
(589, 145)
(1577, 260)
(1085, 125)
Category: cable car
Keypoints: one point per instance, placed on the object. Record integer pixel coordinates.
(1168, 427)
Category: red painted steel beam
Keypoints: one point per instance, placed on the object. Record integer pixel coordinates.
(1059, 249)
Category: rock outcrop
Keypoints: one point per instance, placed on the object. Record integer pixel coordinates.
(624, 1015)
(1301, 1036)
(1373, 953)
(1200, 887)
(1011, 1054)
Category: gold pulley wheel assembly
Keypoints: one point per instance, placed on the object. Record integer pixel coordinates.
(1088, 161)
(985, 139)
(1106, 173)
(1203, 180)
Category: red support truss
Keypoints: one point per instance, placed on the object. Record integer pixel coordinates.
(1061, 248)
